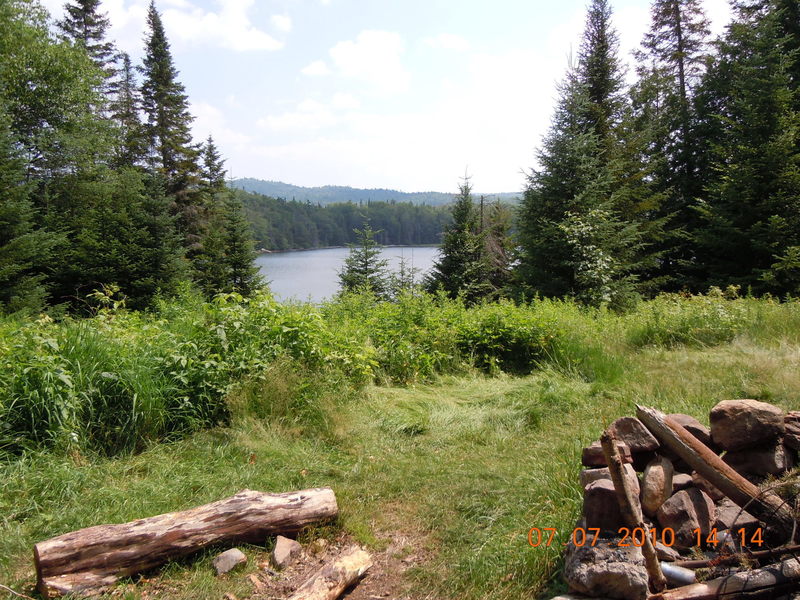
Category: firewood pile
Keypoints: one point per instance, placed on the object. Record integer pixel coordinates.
(675, 510)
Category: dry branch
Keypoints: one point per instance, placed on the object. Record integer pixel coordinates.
(334, 578)
(631, 510)
(764, 505)
(90, 560)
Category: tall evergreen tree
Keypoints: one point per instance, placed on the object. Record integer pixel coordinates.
(213, 167)
(463, 265)
(85, 25)
(131, 144)
(166, 106)
(240, 256)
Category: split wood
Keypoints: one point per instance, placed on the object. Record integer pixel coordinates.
(90, 560)
(335, 577)
(631, 510)
(764, 505)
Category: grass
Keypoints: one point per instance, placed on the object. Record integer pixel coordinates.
(463, 464)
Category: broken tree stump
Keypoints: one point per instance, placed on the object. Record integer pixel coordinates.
(90, 560)
(334, 578)
(764, 505)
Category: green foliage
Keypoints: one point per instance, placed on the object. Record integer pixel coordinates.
(364, 269)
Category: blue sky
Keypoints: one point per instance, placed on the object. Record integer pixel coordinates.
(404, 94)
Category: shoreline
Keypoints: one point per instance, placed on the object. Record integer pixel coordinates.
(261, 251)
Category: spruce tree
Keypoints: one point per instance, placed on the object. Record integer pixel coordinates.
(168, 123)
(364, 269)
(86, 26)
(213, 167)
(240, 255)
(463, 265)
(131, 144)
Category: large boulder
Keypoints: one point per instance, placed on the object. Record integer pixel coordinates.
(739, 424)
(633, 432)
(601, 507)
(606, 570)
(656, 484)
(774, 459)
(732, 517)
(593, 456)
(587, 476)
(685, 512)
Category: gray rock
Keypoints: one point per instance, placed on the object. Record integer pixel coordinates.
(685, 512)
(606, 570)
(593, 456)
(731, 517)
(693, 426)
(708, 487)
(633, 432)
(285, 550)
(762, 461)
(739, 424)
(228, 560)
(792, 435)
(666, 553)
(589, 475)
(681, 481)
(656, 484)
(601, 507)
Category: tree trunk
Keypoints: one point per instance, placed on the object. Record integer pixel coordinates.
(334, 578)
(92, 559)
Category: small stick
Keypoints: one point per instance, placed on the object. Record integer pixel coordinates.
(12, 592)
(631, 510)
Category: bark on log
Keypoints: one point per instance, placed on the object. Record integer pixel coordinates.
(334, 578)
(631, 510)
(769, 582)
(764, 505)
(732, 559)
(90, 560)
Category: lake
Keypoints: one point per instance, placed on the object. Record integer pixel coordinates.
(313, 275)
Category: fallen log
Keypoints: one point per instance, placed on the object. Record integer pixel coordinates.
(764, 505)
(631, 510)
(732, 559)
(769, 582)
(87, 561)
(334, 578)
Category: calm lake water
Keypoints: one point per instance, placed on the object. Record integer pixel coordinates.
(313, 275)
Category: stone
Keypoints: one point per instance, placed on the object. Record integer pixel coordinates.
(656, 484)
(709, 488)
(681, 481)
(732, 518)
(763, 461)
(228, 560)
(632, 432)
(792, 424)
(589, 475)
(641, 459)
(285, 549)
(693, 426)
(593, 456)
(606, 570)
(739, 424)
(685, 512)
(601, 507)
(667, 553)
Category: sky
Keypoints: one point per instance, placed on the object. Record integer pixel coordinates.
(402, 94)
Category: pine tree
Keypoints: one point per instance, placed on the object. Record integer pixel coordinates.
(750, 231)
(85, 26)
(213, 169)
(463, 266)
(166, 106)
(131, 145)
(364, 269)
(240, 256)
(25, 252)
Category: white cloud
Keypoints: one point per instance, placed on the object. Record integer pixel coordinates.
(209, 120)
(448, 41)
(345, 101)
(373, 57)
(318, 67)
(229, 28)
(282, 23)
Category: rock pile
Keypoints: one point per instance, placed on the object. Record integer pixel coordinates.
(682, 510)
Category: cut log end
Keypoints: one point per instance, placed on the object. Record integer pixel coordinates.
(333, 579)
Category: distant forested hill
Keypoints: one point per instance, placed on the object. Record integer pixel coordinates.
(280, 224)
(331, 194)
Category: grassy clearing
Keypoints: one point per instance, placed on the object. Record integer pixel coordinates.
(463, 464)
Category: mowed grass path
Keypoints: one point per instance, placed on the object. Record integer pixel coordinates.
(463, 467)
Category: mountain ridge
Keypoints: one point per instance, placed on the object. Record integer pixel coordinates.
(334, 194)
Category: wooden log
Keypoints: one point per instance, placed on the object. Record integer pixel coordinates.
(764, 505)
(334, 578)
(631, 510)
(732, 559)
(90, 560)
(769, 582)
